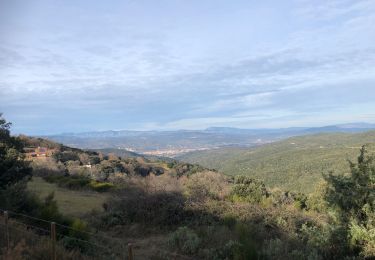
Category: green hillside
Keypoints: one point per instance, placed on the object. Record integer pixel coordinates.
(295, 164)
(91, 205)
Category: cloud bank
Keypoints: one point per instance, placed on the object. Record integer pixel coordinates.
(81, 66)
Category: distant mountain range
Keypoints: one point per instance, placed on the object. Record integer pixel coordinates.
(172, 143)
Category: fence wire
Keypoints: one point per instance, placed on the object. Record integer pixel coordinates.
(23, 240)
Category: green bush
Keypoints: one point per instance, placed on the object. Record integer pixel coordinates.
(184, 240)
(353, 198)
(246, 189)
(101, 186)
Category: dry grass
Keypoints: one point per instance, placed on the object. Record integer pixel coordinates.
(71, 203)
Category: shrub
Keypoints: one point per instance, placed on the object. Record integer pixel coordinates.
(364, 235)
(43, 168)
(50, 210)
(353, 196)
(247, 189)
(247, 238)
(279, 249)
(205, 185)
(184, 240)
(170, 165)
(160, 209)
(185, 169)
(101, 186)
(39, 249)
(231, 250)
(77, 235)
(94, 159)
(70, 182)
(65, 156)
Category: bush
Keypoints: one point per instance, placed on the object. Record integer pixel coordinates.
(185, 169)
(161, 209)
(76, 182)
(279, 249)
(247, 189)
(184, 240)
(18, 199)
(77, 235)
(65, 156)
(39, 249)
(207, 185)
(231, 250)
(70, 182)
(101, 186)
(353, 196)
(43, 168)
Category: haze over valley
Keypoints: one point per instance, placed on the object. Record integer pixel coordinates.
(174, 143)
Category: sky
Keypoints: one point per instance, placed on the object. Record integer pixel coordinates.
(83, 65)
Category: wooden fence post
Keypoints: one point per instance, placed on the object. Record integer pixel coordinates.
(130, 251)
(6, 218)
(53, 241)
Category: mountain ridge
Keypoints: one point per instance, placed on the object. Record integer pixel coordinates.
(354, 126)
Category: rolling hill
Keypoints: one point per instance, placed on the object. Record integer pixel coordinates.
(295, 164)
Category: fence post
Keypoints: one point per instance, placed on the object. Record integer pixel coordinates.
(6, 218)
(53, 241)
(130, 251)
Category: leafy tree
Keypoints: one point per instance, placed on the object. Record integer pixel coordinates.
(13, 167)
(353, 196)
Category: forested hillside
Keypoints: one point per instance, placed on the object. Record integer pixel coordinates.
(174, 210)
(294, 164)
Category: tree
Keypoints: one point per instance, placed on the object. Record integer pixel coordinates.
(353, 196)
(13, 167)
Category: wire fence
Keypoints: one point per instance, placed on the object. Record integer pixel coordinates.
(26, 237)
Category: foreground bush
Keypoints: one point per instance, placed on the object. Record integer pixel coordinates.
(353, 198)
(156, 209)
(184, 240)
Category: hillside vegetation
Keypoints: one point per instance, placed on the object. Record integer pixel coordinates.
(173, 210)
(294, 164)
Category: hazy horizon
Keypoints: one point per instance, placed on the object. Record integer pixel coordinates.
(364, 125)
(79, 66)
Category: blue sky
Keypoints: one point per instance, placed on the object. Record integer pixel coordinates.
(71, 66)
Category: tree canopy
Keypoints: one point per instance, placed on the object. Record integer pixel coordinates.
(13, 167)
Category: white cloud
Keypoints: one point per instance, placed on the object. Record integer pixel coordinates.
(202, 69)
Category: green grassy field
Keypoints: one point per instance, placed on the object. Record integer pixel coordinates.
(71, 203)
(295, 164)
